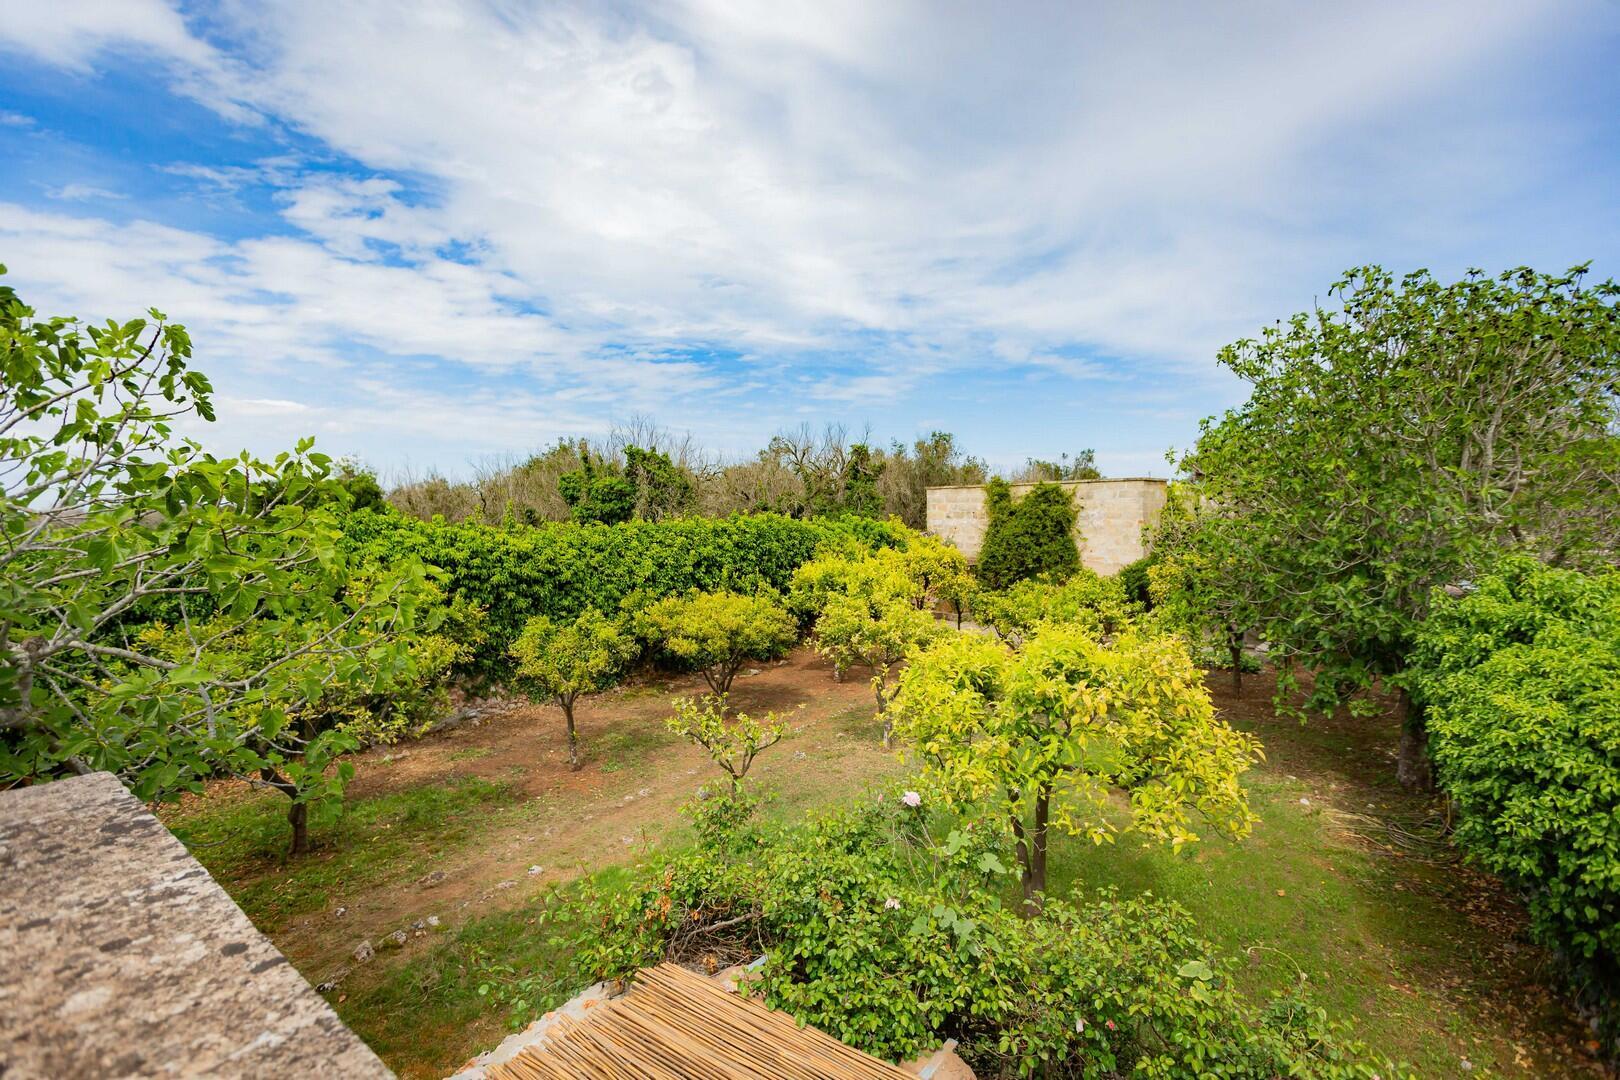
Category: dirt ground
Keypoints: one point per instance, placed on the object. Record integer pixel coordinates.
(624, 800)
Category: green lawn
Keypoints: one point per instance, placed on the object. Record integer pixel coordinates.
(1425, 959)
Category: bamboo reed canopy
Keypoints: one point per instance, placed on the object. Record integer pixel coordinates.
(674, 1025)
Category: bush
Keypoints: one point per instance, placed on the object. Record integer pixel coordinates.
(1095, 603)
(1134, 579)
(717, 633)
(1520, 681)
(561, 569)
(1027, 537)
(883, 926)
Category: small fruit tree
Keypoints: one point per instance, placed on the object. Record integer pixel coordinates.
(875, 630)
(562, 660)
(1049, 730)
(719, 632)
(732, 741)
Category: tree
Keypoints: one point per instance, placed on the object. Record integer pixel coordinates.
(595, 493)
(662, 489)
(562, 660)
(932, 462)
(1399, 441)
(1087, 600)
(164, 614)
(1027, 537)
(1049, 730)
(876, 632)
(1201, 581)
(861, 473)
(732, 740)
(1083, 466)
(719, 632)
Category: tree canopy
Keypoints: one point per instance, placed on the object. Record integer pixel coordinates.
(1399, 440)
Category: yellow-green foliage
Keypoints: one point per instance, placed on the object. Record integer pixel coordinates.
(732, 740)
(1086, 599)
(562, 659)
(558, 658)
(1069, 719)
(718, 632)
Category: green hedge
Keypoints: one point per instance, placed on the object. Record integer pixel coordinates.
(561, 568)
(1520, 681)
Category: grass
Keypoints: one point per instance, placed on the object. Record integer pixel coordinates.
(243, 842)
(1425, 960)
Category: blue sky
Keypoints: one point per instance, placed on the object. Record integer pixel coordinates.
(433, 235)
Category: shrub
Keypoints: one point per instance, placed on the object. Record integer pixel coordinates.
(1027, 537)
(562, 569)
(731, 741)
(1086, 599)
(562, 660)
(883, 926)
(1520, 681)
(718, 632)
(1133, 578)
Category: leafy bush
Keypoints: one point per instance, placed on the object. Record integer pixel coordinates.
(718, 632)
(1027, 537)
(732, 741)
(562, 569)
(1520, 680)
(883, 926)
(1134, 579)
(1095, 603)
(562, 660)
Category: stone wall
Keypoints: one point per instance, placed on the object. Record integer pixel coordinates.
(1108, 530)
(120, 956)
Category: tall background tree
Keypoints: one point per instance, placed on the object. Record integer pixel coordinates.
(1400, 440)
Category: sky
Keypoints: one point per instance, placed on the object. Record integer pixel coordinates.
(437, 234)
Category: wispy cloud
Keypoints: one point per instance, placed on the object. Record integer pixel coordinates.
(731, 214)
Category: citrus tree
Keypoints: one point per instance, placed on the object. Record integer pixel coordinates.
(732, 740)
(112, 526)
(876, 632)
(719, 632)
(1400, 439)
(561, 660)
(1050, 730)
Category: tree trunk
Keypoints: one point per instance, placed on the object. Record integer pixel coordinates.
(297, 813)
(1043, 807)
(1026, 873)
(883, 713)
(298, 818)
(1234, 643)
(573, 736)
(1412, 767)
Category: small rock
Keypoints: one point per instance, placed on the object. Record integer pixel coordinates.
(364, 952)
(436, 877)
(644, 792)
(507, 884)
(419, 924)
(396, 939)
(340, 912)
(533, 870)
(627, 840)
(798, 755)
(1304, 802)
(433, 922)
(328, 986)
(753, 671)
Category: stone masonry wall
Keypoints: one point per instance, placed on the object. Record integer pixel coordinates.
(1108, 530)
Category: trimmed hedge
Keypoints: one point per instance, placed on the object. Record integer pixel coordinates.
(1520, 682)
(560, 569)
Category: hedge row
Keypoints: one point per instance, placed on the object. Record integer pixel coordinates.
(1520, 681)
(562, 568)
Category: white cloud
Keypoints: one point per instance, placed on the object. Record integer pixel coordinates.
(859, 198)
(82, 193)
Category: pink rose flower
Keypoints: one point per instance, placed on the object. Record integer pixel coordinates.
(911, 798)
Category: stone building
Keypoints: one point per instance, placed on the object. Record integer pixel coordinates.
(1108, 529)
